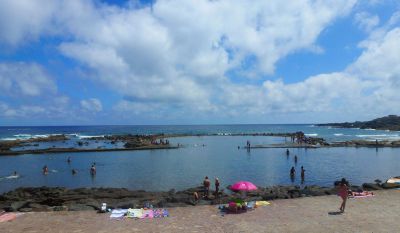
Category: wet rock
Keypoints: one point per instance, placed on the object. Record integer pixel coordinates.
(60, 208)
(390, 185)
(371, 186)
(79, 207)
(15, 206)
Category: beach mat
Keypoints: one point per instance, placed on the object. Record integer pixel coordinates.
(262, 203)
(8, 217)
(361, 194)
(118, 213)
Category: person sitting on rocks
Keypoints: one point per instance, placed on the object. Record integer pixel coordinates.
(195, 197)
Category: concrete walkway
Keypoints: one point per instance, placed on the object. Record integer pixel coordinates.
(312, 214)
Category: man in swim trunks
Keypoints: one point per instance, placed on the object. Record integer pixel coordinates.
(206, 184)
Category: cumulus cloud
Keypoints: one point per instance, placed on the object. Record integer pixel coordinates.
(24, 20)
(25, 79)
(92, 105)
(366, 21)
(179, 56)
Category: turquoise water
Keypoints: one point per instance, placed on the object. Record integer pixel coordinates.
(186, 167)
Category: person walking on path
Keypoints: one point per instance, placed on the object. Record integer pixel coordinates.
(206, 185)
(343, 193)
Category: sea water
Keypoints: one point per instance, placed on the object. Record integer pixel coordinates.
(200, 156)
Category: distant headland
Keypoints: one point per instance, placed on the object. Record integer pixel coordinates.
(390, 122)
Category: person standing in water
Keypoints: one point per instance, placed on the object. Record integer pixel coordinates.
(343, 193)
(69, 160)
(295, 159)
(302, 173)
(292, 172)
(93, 169)
(45, 170)
(287, 152)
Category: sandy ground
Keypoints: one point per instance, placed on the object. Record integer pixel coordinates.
(314, 214)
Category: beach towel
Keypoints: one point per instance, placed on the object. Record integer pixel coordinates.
(262, 203)
(160, 213)
(118, 213)
(136, 213)
(147, 214)
(7, 217)
(361, 194)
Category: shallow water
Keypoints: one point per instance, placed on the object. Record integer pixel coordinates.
(186, 167)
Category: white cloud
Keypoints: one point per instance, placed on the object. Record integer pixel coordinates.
(24, 20)
(92, 105)
(25, 79)
(366, 21)
(175, 56)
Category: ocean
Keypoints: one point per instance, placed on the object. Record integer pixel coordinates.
(213, 156)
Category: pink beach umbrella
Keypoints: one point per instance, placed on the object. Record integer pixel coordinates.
(243, 186)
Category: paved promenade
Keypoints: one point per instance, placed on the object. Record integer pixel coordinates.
(314, 214)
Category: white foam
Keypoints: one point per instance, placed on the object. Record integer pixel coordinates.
(311, 134)
(370, 129)
(376, 135)
(338, 134)
(87, 136)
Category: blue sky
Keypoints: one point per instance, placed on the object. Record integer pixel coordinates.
(197, 62)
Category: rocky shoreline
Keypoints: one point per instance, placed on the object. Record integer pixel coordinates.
(62, 199)
(160, 141)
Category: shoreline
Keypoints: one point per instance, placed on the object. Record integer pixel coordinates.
(38, 199)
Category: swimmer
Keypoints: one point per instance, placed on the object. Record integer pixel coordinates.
(45, 170)
(93, 169)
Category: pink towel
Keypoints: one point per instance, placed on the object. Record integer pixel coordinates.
(7, 217)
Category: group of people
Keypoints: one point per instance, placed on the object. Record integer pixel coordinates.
(45, 169)
(206, 188)
(293, 170)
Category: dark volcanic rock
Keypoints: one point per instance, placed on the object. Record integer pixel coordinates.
(390, 186)
(58, 199)
(371, 186)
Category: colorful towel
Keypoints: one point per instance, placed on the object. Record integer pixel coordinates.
(147, 214)
(251, 205)
(262, 203)
(7, 217)
(361, 194)
(118, 213)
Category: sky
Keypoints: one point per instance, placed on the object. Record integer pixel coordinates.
(120, 62)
